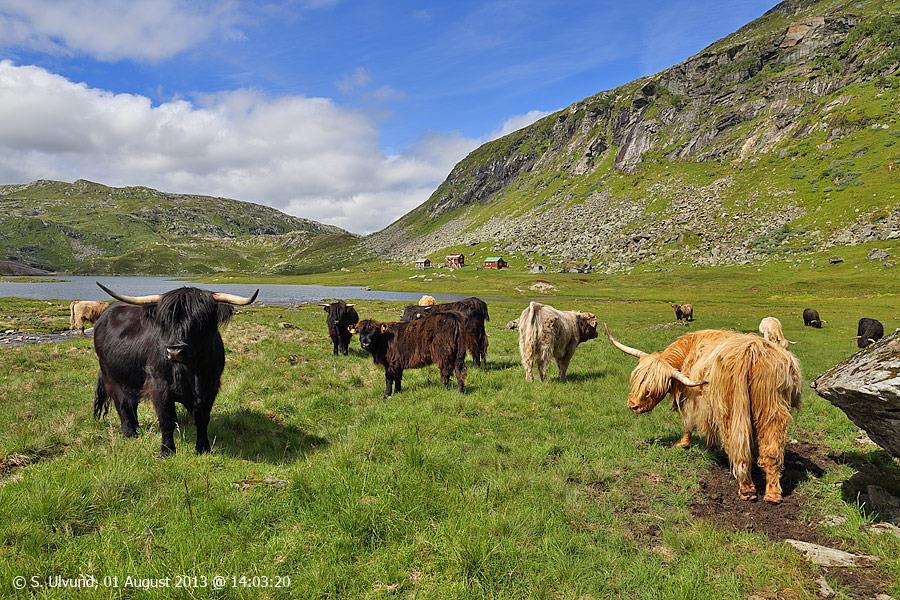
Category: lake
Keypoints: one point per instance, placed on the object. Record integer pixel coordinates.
(84, 288)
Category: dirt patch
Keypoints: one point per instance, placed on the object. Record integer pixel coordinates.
(10, 464)
(718, 503)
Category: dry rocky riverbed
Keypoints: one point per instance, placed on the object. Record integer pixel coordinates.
(11, 337)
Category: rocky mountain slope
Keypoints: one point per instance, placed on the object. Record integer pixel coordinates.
(86, 227)
(776, 140)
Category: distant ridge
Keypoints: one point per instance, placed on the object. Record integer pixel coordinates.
(87, 227)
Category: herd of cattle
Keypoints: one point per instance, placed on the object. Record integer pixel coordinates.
(734, 389)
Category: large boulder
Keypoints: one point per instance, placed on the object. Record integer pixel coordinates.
(866, 386)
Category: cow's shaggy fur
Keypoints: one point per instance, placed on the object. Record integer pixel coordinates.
(545, 332)
(85, 311)
(426, 300)
(770, 328)
(436, 339)
(741, 397)
(473, 312)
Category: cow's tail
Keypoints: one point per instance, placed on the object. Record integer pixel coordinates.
(530, 334)
(101, 399)
(72, 315)
(729, 397)
(459, 365)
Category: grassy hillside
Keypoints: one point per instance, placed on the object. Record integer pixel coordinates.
(509, 491)
(85, 227)
(778, 140)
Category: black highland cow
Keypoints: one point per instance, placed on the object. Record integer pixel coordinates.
(341, 317)
(166, 347)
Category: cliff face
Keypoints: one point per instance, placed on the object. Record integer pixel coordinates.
(777, 139)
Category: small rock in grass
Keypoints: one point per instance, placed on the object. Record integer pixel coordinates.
(514, 324)
(825, 590)
(883, 528)
(833, 521)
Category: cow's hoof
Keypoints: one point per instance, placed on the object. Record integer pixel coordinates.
(683, 442)
(129, 433)
(747, 496)
(773, 498)
(166, 452)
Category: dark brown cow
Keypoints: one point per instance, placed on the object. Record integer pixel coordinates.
(684, 311)
(473, 312)
(437, 339)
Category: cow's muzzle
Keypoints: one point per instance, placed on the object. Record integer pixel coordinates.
(177, 353)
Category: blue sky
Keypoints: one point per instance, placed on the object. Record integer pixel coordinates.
(345, 111)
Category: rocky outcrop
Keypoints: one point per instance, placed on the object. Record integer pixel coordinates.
(866, 386)
(589, 182)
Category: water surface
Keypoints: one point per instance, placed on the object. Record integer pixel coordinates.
(74, 287)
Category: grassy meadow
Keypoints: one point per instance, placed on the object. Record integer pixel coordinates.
(512, 490)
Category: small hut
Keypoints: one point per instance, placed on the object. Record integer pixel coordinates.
(495, 262)
(455, 261)
(423, 263)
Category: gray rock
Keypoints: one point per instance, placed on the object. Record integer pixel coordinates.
(831, 557)
(879, 500)
(877, 254)
(514, 324)
(866, 387)
(835, 260)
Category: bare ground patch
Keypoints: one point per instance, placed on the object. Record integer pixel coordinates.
(11, 463)
(718, 503)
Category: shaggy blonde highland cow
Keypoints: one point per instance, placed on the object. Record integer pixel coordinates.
(545, 332)
(770, 329)
(737, 390)
(85, 311)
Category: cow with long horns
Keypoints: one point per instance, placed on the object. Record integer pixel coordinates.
(166, 347)
(737, 390)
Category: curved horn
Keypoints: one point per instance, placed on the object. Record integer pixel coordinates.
(684, 379)
(626, 349)
(790, 341)
(234, 299)
(151, 299)
(325, 304)
(350, 305)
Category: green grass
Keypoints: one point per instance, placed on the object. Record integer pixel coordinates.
(511, 490)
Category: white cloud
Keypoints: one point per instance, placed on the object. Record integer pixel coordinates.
(516, 122)
(307, 156)
(112, 30)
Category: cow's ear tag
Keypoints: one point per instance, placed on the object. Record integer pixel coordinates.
(383, 328)
(352, 330)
